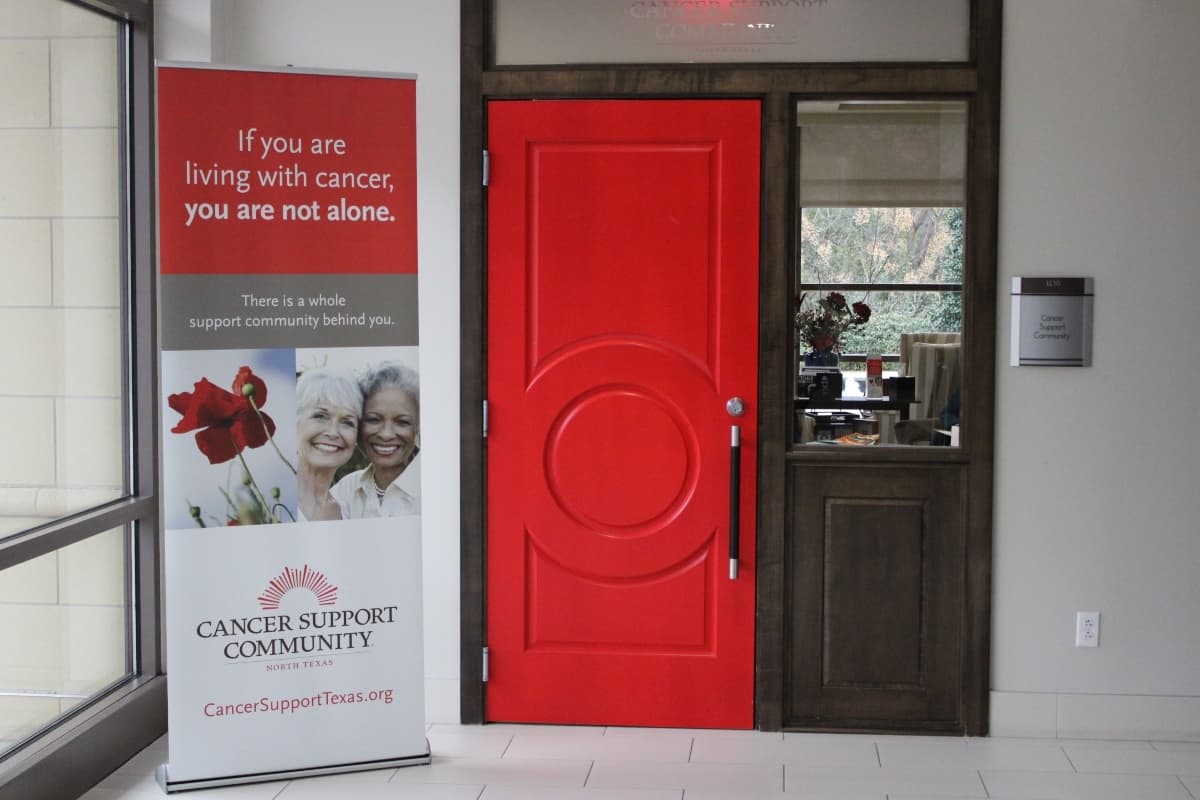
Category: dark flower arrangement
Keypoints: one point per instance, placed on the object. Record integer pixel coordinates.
(820, 326)
(226, 423)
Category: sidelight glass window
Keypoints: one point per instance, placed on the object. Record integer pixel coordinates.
(68, 515)
(880, 223)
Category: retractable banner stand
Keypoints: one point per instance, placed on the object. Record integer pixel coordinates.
(291, 424)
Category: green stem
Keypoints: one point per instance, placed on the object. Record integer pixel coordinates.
(228, 501)
(270, 437)
(258, 495)
(195, 516)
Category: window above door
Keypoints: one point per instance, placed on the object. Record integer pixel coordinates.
(545, 32)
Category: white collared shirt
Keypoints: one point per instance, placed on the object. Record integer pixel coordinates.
(356, 495)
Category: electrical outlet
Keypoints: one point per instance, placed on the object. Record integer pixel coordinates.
(1087, 629)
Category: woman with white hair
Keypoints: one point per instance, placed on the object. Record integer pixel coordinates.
(327, 416)
(388, 436)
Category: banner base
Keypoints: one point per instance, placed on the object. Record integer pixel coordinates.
(162, 773)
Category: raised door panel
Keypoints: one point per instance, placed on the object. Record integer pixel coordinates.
(622, 286)
(875, 580)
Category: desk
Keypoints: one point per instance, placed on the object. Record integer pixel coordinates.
(830, 428)
(803, 404)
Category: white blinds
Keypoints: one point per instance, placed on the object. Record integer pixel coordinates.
(882, 154)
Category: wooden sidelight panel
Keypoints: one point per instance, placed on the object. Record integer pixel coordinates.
(876, 583)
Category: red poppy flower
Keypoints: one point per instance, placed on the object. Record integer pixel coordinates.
(247, 384)
(225, 422)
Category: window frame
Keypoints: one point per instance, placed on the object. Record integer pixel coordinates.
(779, 87)
(89, 742)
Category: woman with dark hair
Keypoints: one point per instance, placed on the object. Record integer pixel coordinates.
(388, 435)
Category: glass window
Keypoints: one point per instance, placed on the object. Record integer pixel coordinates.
(880, 250)
(531, 32)
(65, 615)
(65, 390)
(61, 321)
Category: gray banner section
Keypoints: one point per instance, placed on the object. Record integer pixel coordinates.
(228, 312)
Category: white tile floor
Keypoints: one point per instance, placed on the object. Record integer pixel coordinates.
(518, 762)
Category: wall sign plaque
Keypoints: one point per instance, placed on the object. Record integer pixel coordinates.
(1051, 322)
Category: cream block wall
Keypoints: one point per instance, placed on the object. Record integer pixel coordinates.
(34, 581)
(85, 256)
(52, 173)
(24, 83)
(24, 251)
(84, 75)
(56, 351)
(91, 572)
(44, 18)
(67, 610)
(60, 344)
(75, 649)
(85, 429)
(32, 440)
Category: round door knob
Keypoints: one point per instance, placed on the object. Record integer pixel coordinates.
(735, 406)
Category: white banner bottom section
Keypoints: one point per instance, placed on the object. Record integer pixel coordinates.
(293, 650)
(162, 774)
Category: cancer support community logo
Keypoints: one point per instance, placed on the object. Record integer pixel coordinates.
(287, 636)
(291, 578)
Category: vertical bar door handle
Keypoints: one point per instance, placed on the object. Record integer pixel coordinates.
(735, 493)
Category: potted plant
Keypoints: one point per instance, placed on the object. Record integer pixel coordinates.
(819, 328)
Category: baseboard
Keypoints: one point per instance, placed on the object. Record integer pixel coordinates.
(1095, 716)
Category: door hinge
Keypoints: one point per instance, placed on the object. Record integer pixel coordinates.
(485, 419)
(485, 665)
(487, 167)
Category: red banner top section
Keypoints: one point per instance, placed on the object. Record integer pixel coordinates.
(286, 173)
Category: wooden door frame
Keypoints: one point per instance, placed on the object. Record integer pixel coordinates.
(777, 87)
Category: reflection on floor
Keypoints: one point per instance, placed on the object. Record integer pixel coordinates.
(517, 762)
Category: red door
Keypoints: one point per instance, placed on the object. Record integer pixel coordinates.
(622, 316)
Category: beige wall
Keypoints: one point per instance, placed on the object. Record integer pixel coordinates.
(62, 616)
(1096, 473)
(1096, 478)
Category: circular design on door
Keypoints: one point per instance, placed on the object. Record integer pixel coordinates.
(621, 461)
